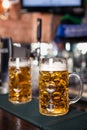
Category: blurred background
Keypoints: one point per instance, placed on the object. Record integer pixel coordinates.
(44, 28)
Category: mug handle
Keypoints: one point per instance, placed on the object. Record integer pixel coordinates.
(80, 88)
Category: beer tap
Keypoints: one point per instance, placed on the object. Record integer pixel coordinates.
(39, 30)
(5, 54)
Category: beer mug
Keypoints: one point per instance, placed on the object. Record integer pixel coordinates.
(19, 71)
(53, 87)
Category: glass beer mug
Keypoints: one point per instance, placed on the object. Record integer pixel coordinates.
(53, 87)
(20, 90)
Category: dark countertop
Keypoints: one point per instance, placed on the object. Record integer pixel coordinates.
(11, 122)
(19, 118)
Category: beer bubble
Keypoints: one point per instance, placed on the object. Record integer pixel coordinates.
(45, 96)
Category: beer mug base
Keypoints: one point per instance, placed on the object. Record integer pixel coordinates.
(53, 113)
(20, 102)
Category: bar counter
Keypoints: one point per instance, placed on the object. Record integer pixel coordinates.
(10, 122)
(27, 117)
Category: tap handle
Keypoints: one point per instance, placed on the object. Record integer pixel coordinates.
(39, 29)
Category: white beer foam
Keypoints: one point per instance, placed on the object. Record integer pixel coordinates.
(57, 66)
(15, 64)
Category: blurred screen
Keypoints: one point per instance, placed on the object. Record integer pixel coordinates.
(51, 3)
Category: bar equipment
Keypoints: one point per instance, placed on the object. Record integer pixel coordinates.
(39, 30)
(5, 53)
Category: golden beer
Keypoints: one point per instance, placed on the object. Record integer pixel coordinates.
(20, 83)
(53, 92)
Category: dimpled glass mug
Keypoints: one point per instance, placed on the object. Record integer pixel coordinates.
(19, 80)
(53, 87)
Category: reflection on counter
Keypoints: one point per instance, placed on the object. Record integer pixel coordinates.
(80, 105)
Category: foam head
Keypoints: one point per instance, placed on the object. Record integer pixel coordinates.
(17, 63)
(53, 66)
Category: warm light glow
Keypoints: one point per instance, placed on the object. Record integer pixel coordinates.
(45, 47)
(5, 4)
(82, 47)
(67, 46)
